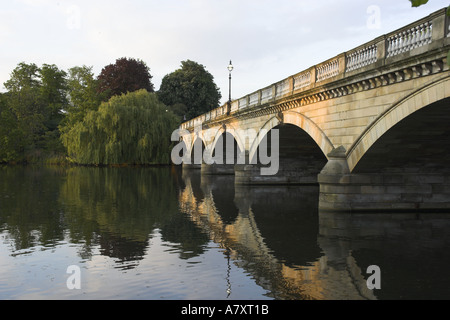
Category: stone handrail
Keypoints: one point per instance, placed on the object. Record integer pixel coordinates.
(302, 80)
(282, 88)
(362, 57)
(327, 70)
(378, 52)
(253, 99)
(410, 39)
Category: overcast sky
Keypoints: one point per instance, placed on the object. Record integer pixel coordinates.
(267, 40)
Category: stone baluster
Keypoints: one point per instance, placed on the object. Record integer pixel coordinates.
(421, 35)
(395, 45)
(406, 40)
(400, 43)
(413, 41)
(429, 33)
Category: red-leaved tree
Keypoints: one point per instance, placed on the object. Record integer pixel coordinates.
(126, 75)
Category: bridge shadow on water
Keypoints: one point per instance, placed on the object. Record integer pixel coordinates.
(295, 251)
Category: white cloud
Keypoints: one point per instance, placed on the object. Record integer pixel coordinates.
(266, 39)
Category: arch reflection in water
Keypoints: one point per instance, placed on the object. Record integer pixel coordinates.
(271, 232)
(412, 250)
(295, 251)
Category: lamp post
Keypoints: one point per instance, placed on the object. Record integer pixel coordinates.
(230, 68)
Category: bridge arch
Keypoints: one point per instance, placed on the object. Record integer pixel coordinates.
(227, 129)
(196, 150)
(432, 92)
(299, 120)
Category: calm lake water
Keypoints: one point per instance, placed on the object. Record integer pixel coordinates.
(163, 234)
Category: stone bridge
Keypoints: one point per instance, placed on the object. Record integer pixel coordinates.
(371, 126)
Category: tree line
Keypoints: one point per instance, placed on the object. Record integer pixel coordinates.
(51, 115)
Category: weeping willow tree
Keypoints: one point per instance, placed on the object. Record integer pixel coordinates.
(134, 128)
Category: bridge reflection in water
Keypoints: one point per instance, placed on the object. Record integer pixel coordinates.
(278, 235)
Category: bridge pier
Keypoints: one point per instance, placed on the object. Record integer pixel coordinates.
(407, 189)
(251, 175)
(191, 166)
(385, 192)
(217, 169)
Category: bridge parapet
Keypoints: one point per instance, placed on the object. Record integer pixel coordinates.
(415, 39)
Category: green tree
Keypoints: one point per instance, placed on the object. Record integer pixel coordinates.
(190, 91)
(32, 112)
(24, 89)
(25, 110)
(53, 94)
(82, 90)
(133, 128)
(126, 75)
(53, 97)
(417, 3)
(11, 138)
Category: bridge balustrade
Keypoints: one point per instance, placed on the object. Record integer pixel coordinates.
(426, 34)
